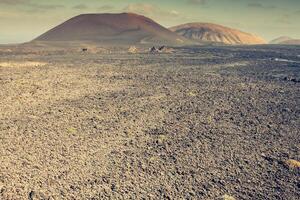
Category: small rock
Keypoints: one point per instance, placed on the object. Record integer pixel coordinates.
(161, 139)
(31, 195)
(292, 164)
(113, 187)
(132, 49)
(226, 197)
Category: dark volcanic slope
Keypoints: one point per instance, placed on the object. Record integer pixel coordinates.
(216, 33)
(124, 28)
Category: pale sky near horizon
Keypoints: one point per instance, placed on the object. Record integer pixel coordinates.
(23, 20)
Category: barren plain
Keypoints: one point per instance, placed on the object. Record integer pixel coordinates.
(199, 123)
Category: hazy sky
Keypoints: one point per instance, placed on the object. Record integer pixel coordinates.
(23, 20)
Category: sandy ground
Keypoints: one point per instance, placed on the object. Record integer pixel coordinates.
(200, 123)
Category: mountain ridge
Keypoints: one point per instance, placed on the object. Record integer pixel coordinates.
(216, 33)
(285, 40)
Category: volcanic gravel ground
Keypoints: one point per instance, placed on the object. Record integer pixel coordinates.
(196, 124)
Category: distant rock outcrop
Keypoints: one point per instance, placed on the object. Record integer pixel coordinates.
(164, 49)
(285, 40)
(213, 33)
(153, 50)
(161, 49)
(112, 29)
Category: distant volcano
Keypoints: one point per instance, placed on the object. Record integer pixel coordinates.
(206, 32)
(112, 29)
(286, 40)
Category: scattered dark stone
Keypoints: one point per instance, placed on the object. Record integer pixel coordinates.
(153, 50)
(113, 187)
(31, 195)
(161, 48)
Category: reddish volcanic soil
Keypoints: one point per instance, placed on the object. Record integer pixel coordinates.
(124, 28)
